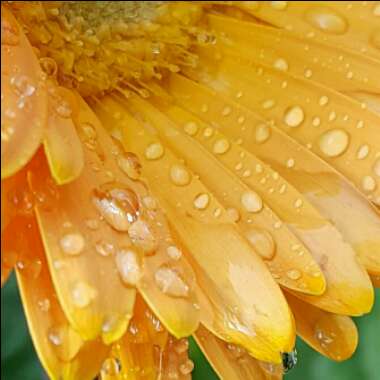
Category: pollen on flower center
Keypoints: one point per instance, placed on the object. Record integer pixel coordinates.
(107, 45)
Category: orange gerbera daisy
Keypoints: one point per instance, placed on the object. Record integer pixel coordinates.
(190, 168)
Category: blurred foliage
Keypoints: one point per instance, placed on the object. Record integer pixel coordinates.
(19, 361)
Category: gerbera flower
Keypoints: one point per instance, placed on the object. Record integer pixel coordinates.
(190, 168)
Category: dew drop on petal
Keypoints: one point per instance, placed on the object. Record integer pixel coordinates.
(334, 142)
(83, 294)
(191, 128)
(294, 274)
(129, 164)
(281, 64)
(362, 152)
(171, 283)
(323, 100)
(104, 248)
(143, 237)
(154, 151)
(294, 116)
(368, 183)
(262, 133)
(201, 201)
(326, 20)
(179, 175)
(72, 244)
(128, 266)
(251, 201)
(55, 336)
(262, 242)
(221, 146)
(174, 252)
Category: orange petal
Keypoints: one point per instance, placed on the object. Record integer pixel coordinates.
(376, 281)
(62, 145)
(61, 350)
(334, 336)
(232, 362)
(349, 290)
(178, 314)
(226, 279)
(23, 97)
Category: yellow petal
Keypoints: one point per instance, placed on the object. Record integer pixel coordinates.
(63, 148)
(177, 313)
(23, 99)
(354, 26)
(260, 228)
(229, 361)
(226, 267)
(349, 290)
(62, 352)
(297, 54)
(334, 336)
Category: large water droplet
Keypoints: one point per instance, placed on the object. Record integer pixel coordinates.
(118, 205)
(262, 242)
(179, 175)
(129, 267)
(294, 116)
(326, 20)
(72, 244)
(251, 201)
(334, 142)
(170, 282)
(83, 294)
(143, 237)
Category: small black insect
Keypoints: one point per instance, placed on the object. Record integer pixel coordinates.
(289, 360)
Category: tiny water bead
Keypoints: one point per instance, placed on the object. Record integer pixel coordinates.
(294, 116)
(128, 266)
(251, 201)
(83, 294)
(129, 164)
(55, 336)
(201, 201)
(72, 244)
(262, 241)
(294, 274)
(174, 252)
(44, 305)
(368, 183)
(118, 205)
(323, 100)
(191, 128)
(362, 152)
(281, 64)
(179, 175)
(326, 20)
(171, 283)
(154, 151)
(262, 133)
(142, 236)
(334, 142)
(221, 146)
(104, 248)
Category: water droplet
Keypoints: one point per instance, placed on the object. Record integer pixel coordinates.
(316, 122)
(221, 146)
(323, 100)
(294, 274)
(191, 128)
(350, 75)
(22, 86)
(362, 152)
(187, 367)
(179, 175)
(62, 101)
(290, 163)
(251, 201)
(170, 282)
(308, 73)
(128, 266)
(208, 132)
(262, 133)
(332, 116)
(268, 104)
(150, 203)
(233, 214)
(334, 142)
(104, 248)
(241, 119)
(294, 116)
(72, 244)
(226, 111)
(201, 201)
(83, 294)
(44, 305)
(92, 224)
(174, 252)
(298, 203)
(154, 151)
(55, 336)
(281, 64)
(129, 164)
(368, 183)
(326, 20)
(143, 237)
(110, 368)
(10, 33)
(262, 242)
(118, 205)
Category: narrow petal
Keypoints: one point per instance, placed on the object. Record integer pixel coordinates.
(376, 281)
(349, 290)
(62, 352)
(178, 314)
(62, 145)
(226, 267)
(23, 97)
(229, 188)
(334, 336)
(229, 361)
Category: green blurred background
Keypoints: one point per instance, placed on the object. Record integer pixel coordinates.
(19, 361)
